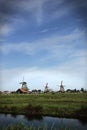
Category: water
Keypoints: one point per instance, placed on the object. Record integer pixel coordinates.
(49, 122)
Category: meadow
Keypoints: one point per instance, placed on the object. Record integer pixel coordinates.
(58, 104)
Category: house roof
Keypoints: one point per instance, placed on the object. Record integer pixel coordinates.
(23, 90)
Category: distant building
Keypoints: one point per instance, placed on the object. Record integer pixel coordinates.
(6, 92)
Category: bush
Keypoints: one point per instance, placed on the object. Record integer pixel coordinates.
(30, 109)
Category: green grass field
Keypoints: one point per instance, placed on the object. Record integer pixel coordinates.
(58, 104)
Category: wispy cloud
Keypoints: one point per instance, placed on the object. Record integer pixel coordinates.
(33, 7)
(5, 30)
(39, 11)
(44, 30)
(54, 44)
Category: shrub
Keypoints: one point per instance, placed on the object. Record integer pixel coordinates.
(30, 109)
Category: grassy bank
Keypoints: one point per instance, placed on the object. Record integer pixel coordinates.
(21, 126)
(58, 104)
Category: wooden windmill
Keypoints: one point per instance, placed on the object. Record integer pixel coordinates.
(24, 85)
(62, 87)
(46, 87)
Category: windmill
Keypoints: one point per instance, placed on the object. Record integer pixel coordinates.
(62, 87)
(46, 87)
(24, 85)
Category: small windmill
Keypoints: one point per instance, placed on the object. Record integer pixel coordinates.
(24, 85)
(62, 87)
(46, 87)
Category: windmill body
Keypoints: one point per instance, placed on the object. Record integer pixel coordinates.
(62, 87)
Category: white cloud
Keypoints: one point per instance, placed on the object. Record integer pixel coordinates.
(44, 30)
(5, 29)
(36, 9)
(55, 44)
(33, 7)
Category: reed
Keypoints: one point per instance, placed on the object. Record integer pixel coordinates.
(21, 126)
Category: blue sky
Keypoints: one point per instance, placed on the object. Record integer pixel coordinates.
(43, 41)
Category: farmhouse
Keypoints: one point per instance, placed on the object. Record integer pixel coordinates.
(21, 90)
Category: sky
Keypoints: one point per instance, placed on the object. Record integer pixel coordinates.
(43, 41)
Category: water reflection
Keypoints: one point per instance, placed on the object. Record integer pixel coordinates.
(43, 121)
(83, 121)
(33, 117)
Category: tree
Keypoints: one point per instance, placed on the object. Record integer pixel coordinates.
(82, 89)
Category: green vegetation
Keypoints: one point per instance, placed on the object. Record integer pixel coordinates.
(57, 104)
(21, 126)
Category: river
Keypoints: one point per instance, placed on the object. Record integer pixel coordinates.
(43, 121)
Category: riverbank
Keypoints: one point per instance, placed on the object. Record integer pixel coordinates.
(72, 105)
